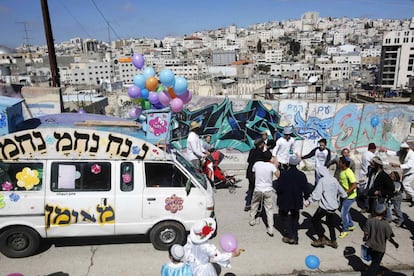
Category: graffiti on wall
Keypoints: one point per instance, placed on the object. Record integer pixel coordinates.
(60, 216)
(351, 125)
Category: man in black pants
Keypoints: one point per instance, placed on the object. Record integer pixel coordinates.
(326, 192)
(292, 187)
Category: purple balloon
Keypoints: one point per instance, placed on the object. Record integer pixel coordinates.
(138, 61)
(134, 92)
(153, 97)
(164, 98)
(186, 97)
(158, 106)
(176, 105)
(228, 242)
(134, 112)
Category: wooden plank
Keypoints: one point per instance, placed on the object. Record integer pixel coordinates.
(109, 123)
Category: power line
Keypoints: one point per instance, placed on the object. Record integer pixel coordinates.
(74, 18)
(106, 20)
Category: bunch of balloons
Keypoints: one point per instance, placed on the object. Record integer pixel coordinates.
(148, 91)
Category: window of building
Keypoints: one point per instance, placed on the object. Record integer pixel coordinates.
(21, 176)
(81, 176)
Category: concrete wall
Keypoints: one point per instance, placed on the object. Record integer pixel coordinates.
(237, 123)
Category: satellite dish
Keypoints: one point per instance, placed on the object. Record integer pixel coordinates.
(313, 79)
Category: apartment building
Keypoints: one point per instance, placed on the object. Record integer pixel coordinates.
(397, 58)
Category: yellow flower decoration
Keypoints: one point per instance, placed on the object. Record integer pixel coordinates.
(27, 178)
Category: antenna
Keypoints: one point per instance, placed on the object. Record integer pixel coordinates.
(26, 37)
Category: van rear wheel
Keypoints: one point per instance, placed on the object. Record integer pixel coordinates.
(18, 242)
(167, 233)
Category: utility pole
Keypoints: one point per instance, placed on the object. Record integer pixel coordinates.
(54, 70)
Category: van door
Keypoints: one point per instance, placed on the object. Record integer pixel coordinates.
(129, 198)
(80, 200)
(165, 196)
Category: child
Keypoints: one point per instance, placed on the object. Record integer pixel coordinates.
(396, 200)
(202, 255)
(376, 233)
(176, 267)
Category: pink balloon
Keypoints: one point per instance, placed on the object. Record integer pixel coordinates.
(134, 92)
(164, 98)
(176, 105)
(228, 242)
(186, 97)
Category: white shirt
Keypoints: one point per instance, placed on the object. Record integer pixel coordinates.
(283, 149)
(194, 146)
(365, 160)
(264, 172)
(407, 166)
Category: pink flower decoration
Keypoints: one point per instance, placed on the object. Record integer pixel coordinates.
(6, 186)
(96, 169)
(126, 178)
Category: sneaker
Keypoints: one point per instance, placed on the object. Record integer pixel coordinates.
(400, 224)
(252, 222)
(270, 233)
(319, 243)
(343, 234)
(351, 228)
(332, 244)
(247, 208)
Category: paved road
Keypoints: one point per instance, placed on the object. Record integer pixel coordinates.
(263, 256)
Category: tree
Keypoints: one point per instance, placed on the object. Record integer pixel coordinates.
(259, 46)
(294, 47)
(161, 45)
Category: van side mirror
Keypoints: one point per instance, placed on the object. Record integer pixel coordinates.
(188, 186)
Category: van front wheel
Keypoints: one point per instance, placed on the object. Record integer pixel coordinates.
(18, 242)
(167, 233)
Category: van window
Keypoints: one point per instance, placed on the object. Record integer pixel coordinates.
(21, 176)
(81, 176)
(164, 175)
(127, 177)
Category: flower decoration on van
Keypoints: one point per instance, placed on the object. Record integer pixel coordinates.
(96, 169)
(126, 178)
(174, 204)
(135, 150)
(14, 197)
(27, 178)
(158, 126)
(2, 203)
(6, 186)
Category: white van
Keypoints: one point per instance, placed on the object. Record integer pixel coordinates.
(66, 182)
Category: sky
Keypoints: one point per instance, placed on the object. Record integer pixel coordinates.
(160, 18)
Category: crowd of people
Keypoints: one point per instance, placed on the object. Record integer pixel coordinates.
(278, 186)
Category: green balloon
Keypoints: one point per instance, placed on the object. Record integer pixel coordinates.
(160, 88)
(147, 105)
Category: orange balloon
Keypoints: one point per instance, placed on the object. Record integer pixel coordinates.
(151, 83)
(171, 92)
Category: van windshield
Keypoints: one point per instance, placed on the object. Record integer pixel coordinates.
(190, 168)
